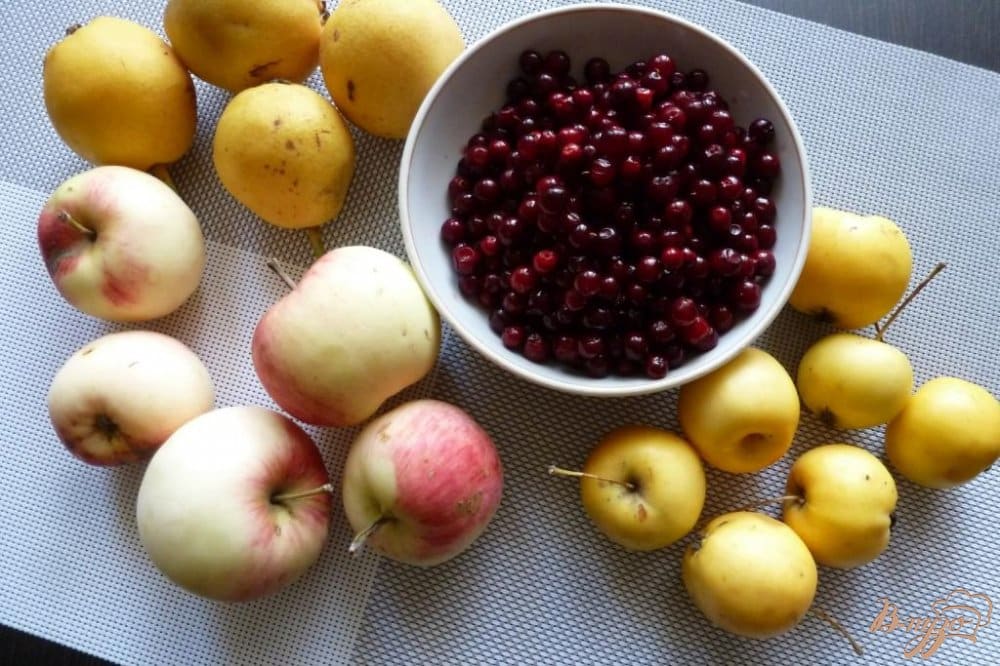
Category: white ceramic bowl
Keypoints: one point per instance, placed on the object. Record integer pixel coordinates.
(474, 85)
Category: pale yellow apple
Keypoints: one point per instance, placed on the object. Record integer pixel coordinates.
(850, 381)
(119, 397)
(654, 488)
(379, 59)
(117, 94)
(236, 44)
(236, 504)
(856, 269)
(750, 575)
(743, 416)
(356, 330)
(946, 435)
(846, 508)
(121, 245)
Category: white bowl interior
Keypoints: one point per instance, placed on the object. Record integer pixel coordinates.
(474, 86)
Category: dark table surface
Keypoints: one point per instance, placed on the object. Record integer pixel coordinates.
(963, 30)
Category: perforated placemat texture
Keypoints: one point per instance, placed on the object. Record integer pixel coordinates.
(887, 130)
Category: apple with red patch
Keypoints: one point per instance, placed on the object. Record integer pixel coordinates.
(236, 504)
(121, 245)
(119, 397)
(421, 483)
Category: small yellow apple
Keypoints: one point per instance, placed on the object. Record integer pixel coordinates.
(750, 575)
(743, 416)
(643, 487)
(850, 381)
(948, 433)
(845, 511)
(857, 268)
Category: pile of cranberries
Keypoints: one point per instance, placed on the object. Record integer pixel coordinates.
(617, 225)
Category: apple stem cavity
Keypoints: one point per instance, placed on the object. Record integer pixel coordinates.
(76, 224)
(284, 497)
(559, 471)
(359, 539)
(881, 328)
(838, 627)
(273, 264)
(315, 235)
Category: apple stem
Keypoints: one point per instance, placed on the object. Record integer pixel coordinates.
(161, 172)
(315, 235)
(881, 328)
(325, 488)
(559, 471)
(273, 264)
(359, 540)
(771, 500)
(839, 628)
(71, 221)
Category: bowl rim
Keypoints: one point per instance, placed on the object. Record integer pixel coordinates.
(597, 388)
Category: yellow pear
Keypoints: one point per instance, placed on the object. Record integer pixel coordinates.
(948, 433)
(235, 44)
(856, 269)
(283, 151)
(117, 94)
(379, 59)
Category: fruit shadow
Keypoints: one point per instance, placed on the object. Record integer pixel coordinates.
(122, 485)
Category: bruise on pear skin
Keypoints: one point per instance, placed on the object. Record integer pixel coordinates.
(455, 459)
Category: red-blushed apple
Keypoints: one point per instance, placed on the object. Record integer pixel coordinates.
(121, 245)
(643, 487)
(236, 504)
(119, 397)
(421, 483)
(354, 331)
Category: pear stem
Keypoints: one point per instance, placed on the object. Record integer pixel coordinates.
(839, 628)
(325, 488)
(161, 172)
(559, 471)
(73, 222)
(315, 236)
(359, 540)
(881, 328)
(273, 264)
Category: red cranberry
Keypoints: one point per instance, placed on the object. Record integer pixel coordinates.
(536, 348)
(453, 231)
(656, 366)
(513, 337)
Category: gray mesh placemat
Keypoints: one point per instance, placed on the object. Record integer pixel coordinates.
(887, 129)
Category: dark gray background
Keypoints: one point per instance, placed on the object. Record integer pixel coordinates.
(963, 30)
